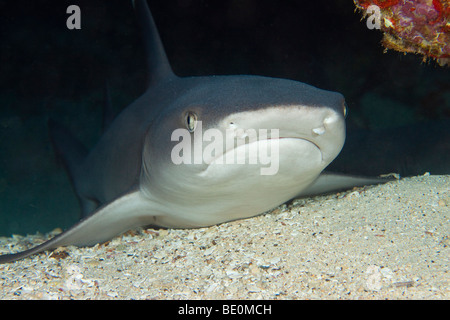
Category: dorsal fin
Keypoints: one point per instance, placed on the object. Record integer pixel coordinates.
(157, 63)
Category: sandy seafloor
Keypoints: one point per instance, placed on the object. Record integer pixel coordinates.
(389, 241)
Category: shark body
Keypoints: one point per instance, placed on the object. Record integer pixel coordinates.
(130, 178)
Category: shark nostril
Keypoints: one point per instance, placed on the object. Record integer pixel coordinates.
(330, 120)
(319, 131)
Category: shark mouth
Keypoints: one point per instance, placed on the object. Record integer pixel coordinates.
(266, 154)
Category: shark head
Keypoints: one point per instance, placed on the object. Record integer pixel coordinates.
(235, 138)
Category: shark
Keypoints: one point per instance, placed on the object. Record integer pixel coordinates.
(141, 173)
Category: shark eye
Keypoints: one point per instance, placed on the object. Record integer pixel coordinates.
(190, 121)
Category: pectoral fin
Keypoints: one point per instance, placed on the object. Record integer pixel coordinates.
(332, 182)
(126, 212)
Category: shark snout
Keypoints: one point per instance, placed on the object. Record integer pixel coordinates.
(329, 135)
(329, 123)
(322, 126)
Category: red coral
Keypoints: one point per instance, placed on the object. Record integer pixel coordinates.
(416, 26)
(438, 6)
(380, 3)
(386, 3)
(443, 11)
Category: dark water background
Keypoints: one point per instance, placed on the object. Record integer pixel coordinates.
(399, 107)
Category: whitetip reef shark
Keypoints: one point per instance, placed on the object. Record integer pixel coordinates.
(129, 179)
